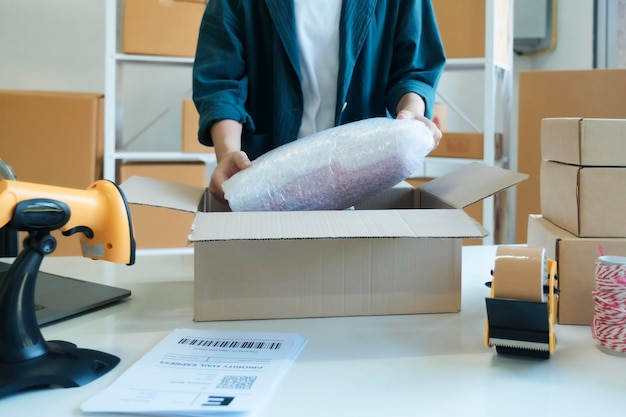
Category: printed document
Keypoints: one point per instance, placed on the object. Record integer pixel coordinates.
(201, 372)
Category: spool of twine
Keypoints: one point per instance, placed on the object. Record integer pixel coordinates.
(609, 321)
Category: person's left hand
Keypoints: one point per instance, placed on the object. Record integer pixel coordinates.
(407, 114)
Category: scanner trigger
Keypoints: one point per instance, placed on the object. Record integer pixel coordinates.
(87, 231)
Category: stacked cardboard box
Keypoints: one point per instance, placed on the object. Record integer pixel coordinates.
(583, 201)
(547, 94)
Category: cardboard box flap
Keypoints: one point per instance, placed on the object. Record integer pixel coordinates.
(334, 225)
(159, 193)
(467, 185)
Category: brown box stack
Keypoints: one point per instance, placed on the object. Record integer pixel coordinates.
(583, 199)
(549, 94)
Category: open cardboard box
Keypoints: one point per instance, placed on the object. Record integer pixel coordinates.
(388, 256)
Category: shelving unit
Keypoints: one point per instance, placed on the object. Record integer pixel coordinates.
(113, 119)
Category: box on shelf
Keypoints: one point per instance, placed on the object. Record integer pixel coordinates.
(168, 28)
(465, 145)
(549, 94)
(575, 259)
(157, 227)
(462, 27)
(63, 148)
(586, 142)
(190, 129)
(384, 257)
(585, 201)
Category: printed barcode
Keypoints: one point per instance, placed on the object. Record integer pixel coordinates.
(236, 382)
(231, 344)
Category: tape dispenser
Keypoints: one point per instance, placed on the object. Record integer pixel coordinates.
(521, 309)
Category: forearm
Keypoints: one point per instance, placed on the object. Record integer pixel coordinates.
(226, 135)
(413, 103)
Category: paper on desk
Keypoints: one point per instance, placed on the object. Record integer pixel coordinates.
(200, 372)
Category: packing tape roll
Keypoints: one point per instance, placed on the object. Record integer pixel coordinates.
(520, 273)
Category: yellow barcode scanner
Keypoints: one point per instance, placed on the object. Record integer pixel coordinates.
(101, 216)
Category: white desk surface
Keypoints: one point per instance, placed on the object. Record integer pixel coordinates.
(426, 365)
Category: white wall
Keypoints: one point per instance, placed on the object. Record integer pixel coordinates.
(52, 45)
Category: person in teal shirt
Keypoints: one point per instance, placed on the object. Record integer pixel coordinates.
(265, 70)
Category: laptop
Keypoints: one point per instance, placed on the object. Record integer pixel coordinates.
(58, 298)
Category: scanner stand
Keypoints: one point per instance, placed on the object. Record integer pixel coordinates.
(27, 360)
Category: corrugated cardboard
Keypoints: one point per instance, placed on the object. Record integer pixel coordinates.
(585, 201)
(465, 145)
(157, 227)
(462, 27)
(544, 94)
(575, 266)
(53, 138)
(155, 27)
(385, 257)
(191, 120)
(586, 142)
(475, 210)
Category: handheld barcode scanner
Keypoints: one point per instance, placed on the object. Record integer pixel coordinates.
(100, 215)
(521, 309)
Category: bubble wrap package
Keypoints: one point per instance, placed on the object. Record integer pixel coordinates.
(333, 169)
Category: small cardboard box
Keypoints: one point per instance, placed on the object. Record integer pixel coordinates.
(585, 201)
(157, 227)
(155, 27)
(585, 142)
(465, 145)
(190, 129)
(388, 256)
(575, 259)
(64, 147)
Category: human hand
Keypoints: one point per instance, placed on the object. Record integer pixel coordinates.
(227, 166)
(407, 114)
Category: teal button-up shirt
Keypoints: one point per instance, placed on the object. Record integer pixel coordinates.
(246, 66)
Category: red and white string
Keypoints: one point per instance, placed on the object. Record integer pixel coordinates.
(609, 321)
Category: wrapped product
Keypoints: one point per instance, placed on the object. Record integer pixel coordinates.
(333, 169)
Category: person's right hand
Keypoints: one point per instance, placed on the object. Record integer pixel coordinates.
(228, 165)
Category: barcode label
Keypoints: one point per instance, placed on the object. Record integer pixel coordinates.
(237, 382)
(232, 344)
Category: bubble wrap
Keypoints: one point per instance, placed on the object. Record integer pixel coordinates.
(333, 169)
